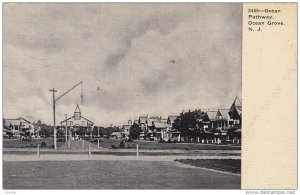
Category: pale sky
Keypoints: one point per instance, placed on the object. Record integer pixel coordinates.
(133, 59)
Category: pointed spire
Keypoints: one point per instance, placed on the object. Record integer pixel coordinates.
(77, 113)
(77, 109)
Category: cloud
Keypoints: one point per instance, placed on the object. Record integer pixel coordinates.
(133, 59)
(163, 24)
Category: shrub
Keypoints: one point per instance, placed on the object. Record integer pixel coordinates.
(43, 144)
(122, 144)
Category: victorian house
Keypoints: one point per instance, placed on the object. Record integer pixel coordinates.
(18, 127)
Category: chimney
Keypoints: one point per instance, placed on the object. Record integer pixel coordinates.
(129, 122)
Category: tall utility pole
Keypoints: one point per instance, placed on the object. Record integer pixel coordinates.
(54, 127)
(54, 101)
(66, 127)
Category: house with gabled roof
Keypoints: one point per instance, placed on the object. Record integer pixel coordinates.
(171, 119)
(18, 127)
(76, 122)
(143, 120)
(175, 134)
(223, 118)
(229, 122)
(161, 130)
(152, 119)
(150, 132)
(236, 113)
(209, 119)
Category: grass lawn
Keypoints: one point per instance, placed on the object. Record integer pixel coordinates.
(112, 175)
(154, 145)
(16, 143)
(227, 165)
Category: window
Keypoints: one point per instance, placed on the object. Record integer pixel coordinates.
(230, 122)
(16, 127)
(83, 123)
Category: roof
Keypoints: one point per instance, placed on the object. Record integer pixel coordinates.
(12, 122)
(23, 119)
(77, 110)
(7, 123)
(237, 103)
(212, 115)
(160, 125)
(225, 113)
(150, 120)
(143, 119)
(116, 133)
(239, 111)
(163, 120)
(171, 119)
(87, 120)
(67, 119)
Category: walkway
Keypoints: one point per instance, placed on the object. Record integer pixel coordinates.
(78, 145)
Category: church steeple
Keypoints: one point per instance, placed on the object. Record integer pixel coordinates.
(77, 113)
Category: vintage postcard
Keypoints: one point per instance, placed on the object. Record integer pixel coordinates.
(100, 96)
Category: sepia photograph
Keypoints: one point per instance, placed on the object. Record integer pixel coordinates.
(122, 96)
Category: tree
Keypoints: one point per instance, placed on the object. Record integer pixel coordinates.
(135, 131)
(39, 122)
(81, 131)
(46, 130)
(60, 132)
(188, 123)
(101, 131)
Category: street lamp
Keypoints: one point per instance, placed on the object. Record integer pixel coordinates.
(54, 101)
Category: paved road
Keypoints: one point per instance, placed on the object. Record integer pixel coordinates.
(113, 175)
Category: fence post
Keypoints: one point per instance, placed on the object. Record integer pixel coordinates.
(98, 143)
(82, 143)
(38, 150)
(137, 150)
(69, 141)
(89, 150)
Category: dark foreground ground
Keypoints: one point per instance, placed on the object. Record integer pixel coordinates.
(227, 165)
(113, 175)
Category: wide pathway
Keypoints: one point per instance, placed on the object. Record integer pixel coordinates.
(113, 175)
(83, 157)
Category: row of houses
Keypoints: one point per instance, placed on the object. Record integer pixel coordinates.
(15, 128)
(217, 125)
